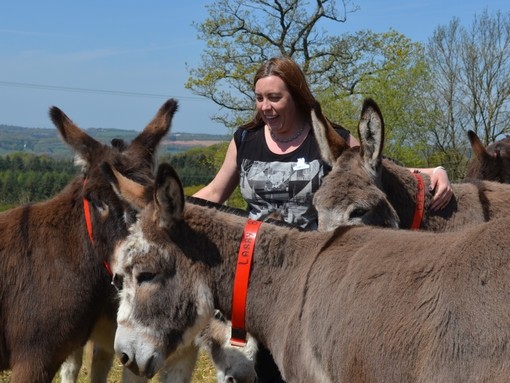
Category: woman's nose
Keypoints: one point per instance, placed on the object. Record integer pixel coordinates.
(265, 105)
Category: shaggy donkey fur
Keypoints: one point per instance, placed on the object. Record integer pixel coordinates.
(358, 304)
(54, 286)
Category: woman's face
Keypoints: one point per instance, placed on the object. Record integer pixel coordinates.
(275, 104)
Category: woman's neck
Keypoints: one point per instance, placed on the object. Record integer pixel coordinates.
(283, 145)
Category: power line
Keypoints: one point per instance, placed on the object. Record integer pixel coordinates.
(94, 91)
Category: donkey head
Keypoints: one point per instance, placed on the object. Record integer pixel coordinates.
(160, 271)
(351, 194)
(491, 163)
(165, 300)
(136, 161)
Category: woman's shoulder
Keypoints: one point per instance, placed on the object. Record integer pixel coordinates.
(244, 134)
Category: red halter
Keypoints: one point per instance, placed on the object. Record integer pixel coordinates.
(88, 222)
(420, 203)
(242, 277)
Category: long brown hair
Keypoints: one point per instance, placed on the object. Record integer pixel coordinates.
(292, 75)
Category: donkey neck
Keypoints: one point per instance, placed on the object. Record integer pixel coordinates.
(400, 187)
(282, 259)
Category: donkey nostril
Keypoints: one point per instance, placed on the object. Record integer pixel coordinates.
(230, 379)
(124, 358)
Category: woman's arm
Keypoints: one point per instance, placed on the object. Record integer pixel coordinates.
(225, 181)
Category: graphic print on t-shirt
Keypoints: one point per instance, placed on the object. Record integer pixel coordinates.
(283, 187)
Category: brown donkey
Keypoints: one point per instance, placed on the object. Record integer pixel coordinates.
(359, 304)
(54, 283)
(364, 188)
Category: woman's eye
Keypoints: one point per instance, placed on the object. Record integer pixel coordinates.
(145, 277)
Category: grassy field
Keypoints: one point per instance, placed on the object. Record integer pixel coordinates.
(204, 373)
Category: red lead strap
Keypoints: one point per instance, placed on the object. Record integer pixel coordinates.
(241, 279)
(88, 222)
(420, 203)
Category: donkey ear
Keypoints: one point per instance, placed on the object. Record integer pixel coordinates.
(331, 144)
(168, 196)
(143, 147)
(478, 148)
(371, 133)
(83, 144)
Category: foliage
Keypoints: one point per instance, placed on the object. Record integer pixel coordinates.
(341, 69)
(470, 73)
(27, 178)
(241, 34)
(195, 166)
(392, 71)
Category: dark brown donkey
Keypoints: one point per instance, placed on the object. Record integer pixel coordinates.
(359, 304)
(364, 188)
(53, 281)
(491, 163)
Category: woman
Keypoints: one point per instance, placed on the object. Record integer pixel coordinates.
(275, 159)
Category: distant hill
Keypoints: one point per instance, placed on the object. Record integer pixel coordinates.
(48, 141)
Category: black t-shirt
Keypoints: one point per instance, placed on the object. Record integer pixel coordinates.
(280, 183)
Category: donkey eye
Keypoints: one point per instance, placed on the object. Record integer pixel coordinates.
(145, 277)
(358, 213)
(117, 281)
(218, 315)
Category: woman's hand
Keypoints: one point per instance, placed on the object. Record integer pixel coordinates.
(441, 188)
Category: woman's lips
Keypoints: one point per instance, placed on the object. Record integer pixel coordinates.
(273, 121)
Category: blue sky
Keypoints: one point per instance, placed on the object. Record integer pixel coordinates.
(111, 64)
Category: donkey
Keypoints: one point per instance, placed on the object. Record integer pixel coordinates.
(232, 364)
(491, 163)
(54, 255)
(439, 314)
(365, 188)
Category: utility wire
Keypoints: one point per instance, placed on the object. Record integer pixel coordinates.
(95, 91)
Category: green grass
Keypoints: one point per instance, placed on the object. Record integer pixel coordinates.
(204, 373)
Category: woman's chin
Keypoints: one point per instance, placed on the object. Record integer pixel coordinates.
(275, 128)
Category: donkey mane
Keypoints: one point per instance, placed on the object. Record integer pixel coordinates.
(217, 206)
(235, 211)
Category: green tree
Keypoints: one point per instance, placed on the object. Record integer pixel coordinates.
(392, 70)
(241, 34)
(341, 69)
(8, 185)
(470, 75)
(26, 178)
